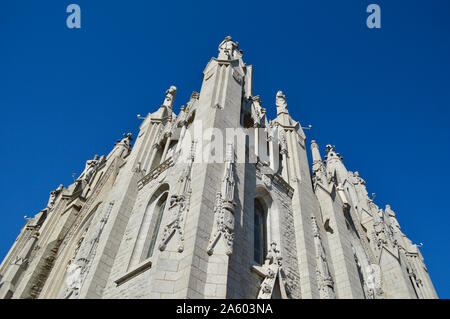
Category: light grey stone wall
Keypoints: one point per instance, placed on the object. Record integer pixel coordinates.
(330, 238)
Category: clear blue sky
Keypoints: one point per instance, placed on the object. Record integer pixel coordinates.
(381, 96)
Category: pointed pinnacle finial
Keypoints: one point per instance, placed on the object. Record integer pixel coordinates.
(315, 151)
(331, 153)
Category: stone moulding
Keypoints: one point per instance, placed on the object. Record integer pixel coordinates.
(85, 209)
(154, 173)
(147, 264)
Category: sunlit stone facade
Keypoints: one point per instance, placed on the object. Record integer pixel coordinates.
(163, 218)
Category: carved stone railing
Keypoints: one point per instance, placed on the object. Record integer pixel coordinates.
(154, 173)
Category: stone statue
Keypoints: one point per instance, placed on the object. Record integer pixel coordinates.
(179, 206)
(53, 195)
(389, 211)
(89, 170)
(280, 102)
(257, 111)
(330, 148)
(283, 142)
(228, 49)
(325, 281)
(358, 179)
(126, 140)
(171, 93)
(73, 281)
(273, 270)
(273, 255)
(374, 281)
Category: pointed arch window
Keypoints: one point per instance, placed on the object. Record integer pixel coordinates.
(159, 210)
(260, 233)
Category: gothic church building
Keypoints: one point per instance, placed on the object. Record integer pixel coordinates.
(153, 221)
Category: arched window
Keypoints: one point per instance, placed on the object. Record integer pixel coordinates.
(159, 210)
(260, 233)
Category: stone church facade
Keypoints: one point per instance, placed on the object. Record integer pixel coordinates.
(165, 219)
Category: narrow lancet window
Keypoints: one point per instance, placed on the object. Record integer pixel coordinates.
(159, 210)
(260, 240)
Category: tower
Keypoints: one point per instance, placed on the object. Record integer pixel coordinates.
(216, 201)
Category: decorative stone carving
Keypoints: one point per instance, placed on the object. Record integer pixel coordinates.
(179, 206)
(189, 109)
(266, 180)
(358, 179)
(324, 279)
(36, 222)
(89, 170)
(73, 281)
(17, 266)
(53, 196)
(256, 111)
(224, 207)
(281, 102)
(19, 261)
(373, 282)
(78, 269)
(271, 271)
(45, 269)
(320, 174)
(381, 238)
(275, 179)
(112, 169)
(360, 271)
(228, 49)
(389, 211)
(283, 142)
(330, 148)
(125, 141)
(412, 273)
(171, 94)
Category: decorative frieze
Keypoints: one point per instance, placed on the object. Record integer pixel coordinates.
(224, 208)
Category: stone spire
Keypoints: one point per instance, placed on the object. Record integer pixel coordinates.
(335, 164)
(283, 116)
(315, 152)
